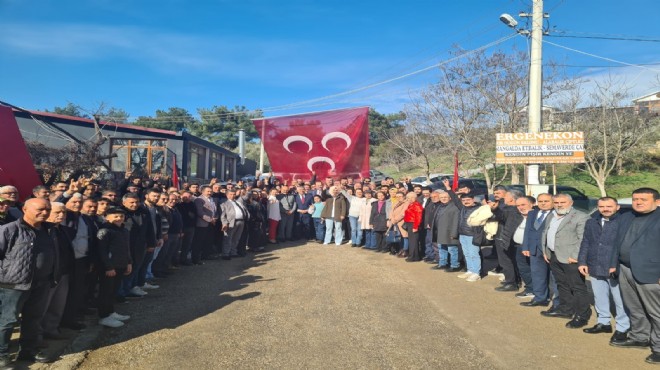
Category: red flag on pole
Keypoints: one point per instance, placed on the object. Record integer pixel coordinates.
(454, 185)
(175, 173)
(331, 143)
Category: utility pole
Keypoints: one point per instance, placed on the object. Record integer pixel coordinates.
(535, 107)
(261, 152)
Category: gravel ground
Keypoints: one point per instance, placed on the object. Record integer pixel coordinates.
(327, 307)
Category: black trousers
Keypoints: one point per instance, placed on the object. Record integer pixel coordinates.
(32, 314)
(201, 242)
(413, 242)
(381, 245)
(77, 289)
(186, 245)
(573, 294)
(507, 260)
(107, 288)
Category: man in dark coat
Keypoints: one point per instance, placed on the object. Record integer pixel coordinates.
(445, 227)
(637, 256)
(594, 260)
(28, 251)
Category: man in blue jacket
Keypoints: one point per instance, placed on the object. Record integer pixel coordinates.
(594, 260)
(637, 261)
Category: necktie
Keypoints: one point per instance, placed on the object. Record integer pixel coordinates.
(539, 220)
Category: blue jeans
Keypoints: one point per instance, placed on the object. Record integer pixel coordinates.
(369, 239)
(356, 230)
(448, 255)
(405, 244)
(331, 225)
(319, 228)
(471, 253)
(524, 269)
(603, 288)
(11, 304)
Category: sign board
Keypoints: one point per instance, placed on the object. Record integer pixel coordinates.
(540, 147)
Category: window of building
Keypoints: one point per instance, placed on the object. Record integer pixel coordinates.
(215, 164)
(196, 164)
(139, 155)
(229, 168)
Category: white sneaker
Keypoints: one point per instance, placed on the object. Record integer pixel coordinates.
(502, 278)
(110, 322)
(119, 317)
(149, 286)
(137, 291)
(464, 275)
(473, 277)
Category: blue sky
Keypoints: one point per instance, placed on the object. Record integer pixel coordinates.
(146, 55)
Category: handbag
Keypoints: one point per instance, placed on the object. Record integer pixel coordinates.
(479, 239)
(393, 235)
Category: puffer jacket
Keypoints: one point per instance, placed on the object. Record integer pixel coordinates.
(18, 257)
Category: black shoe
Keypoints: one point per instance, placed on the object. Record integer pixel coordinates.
(73, 325)
(598, 328)
(534, 303)
(411, 260)
(35, 357)
(653, 358)
(438, 267)
(630, 343)
(226, 258)
(619, 336)
(510, 287)
(453, 269)
(577, 323)
(556, 313)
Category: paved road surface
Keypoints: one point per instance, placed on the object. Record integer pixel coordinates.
(327, 307)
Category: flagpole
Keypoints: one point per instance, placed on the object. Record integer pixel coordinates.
(261, 153)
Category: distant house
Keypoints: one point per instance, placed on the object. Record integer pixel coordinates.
(134, 148)
(648, 104)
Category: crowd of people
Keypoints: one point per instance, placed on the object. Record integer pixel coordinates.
(77, 249)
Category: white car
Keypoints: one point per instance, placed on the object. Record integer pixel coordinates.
(433, 178)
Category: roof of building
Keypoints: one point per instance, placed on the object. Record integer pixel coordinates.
(648, 97)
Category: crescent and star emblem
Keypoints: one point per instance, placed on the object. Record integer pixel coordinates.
(324, 142)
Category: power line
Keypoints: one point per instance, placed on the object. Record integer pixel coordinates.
(601, 57)
(605, 38)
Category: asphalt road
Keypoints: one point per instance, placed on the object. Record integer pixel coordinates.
(327, 307)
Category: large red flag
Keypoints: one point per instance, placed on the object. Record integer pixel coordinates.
(454, 185)
(175, 173)
(332, 143)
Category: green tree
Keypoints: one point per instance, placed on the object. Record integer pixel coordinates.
(173, 119)
(70, 110)
(116, 115)
(221, 125)
(380, 123)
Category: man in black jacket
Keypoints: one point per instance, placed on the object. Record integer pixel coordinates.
(510, 220)
(142, 237)
(638, 258)
(30, 267)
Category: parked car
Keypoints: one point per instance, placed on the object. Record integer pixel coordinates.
(377, 177)
(424, 181)
(580, 200)
(478, 186)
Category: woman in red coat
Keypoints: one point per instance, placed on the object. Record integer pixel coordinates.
(412, 218)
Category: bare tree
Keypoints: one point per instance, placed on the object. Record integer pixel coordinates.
(414, 143)
(613, 130)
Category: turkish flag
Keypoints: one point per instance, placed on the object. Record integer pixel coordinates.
(454, 185)
(332, 143)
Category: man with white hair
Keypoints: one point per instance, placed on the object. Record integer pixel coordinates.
(334, 212)
(561, 241)
(10, 193)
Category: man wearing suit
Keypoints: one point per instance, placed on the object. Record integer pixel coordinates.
(207, 215)
(637, 260)
(234, 215)
(561, 239)
(304, 229)
(287, 211)
(541, 276)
